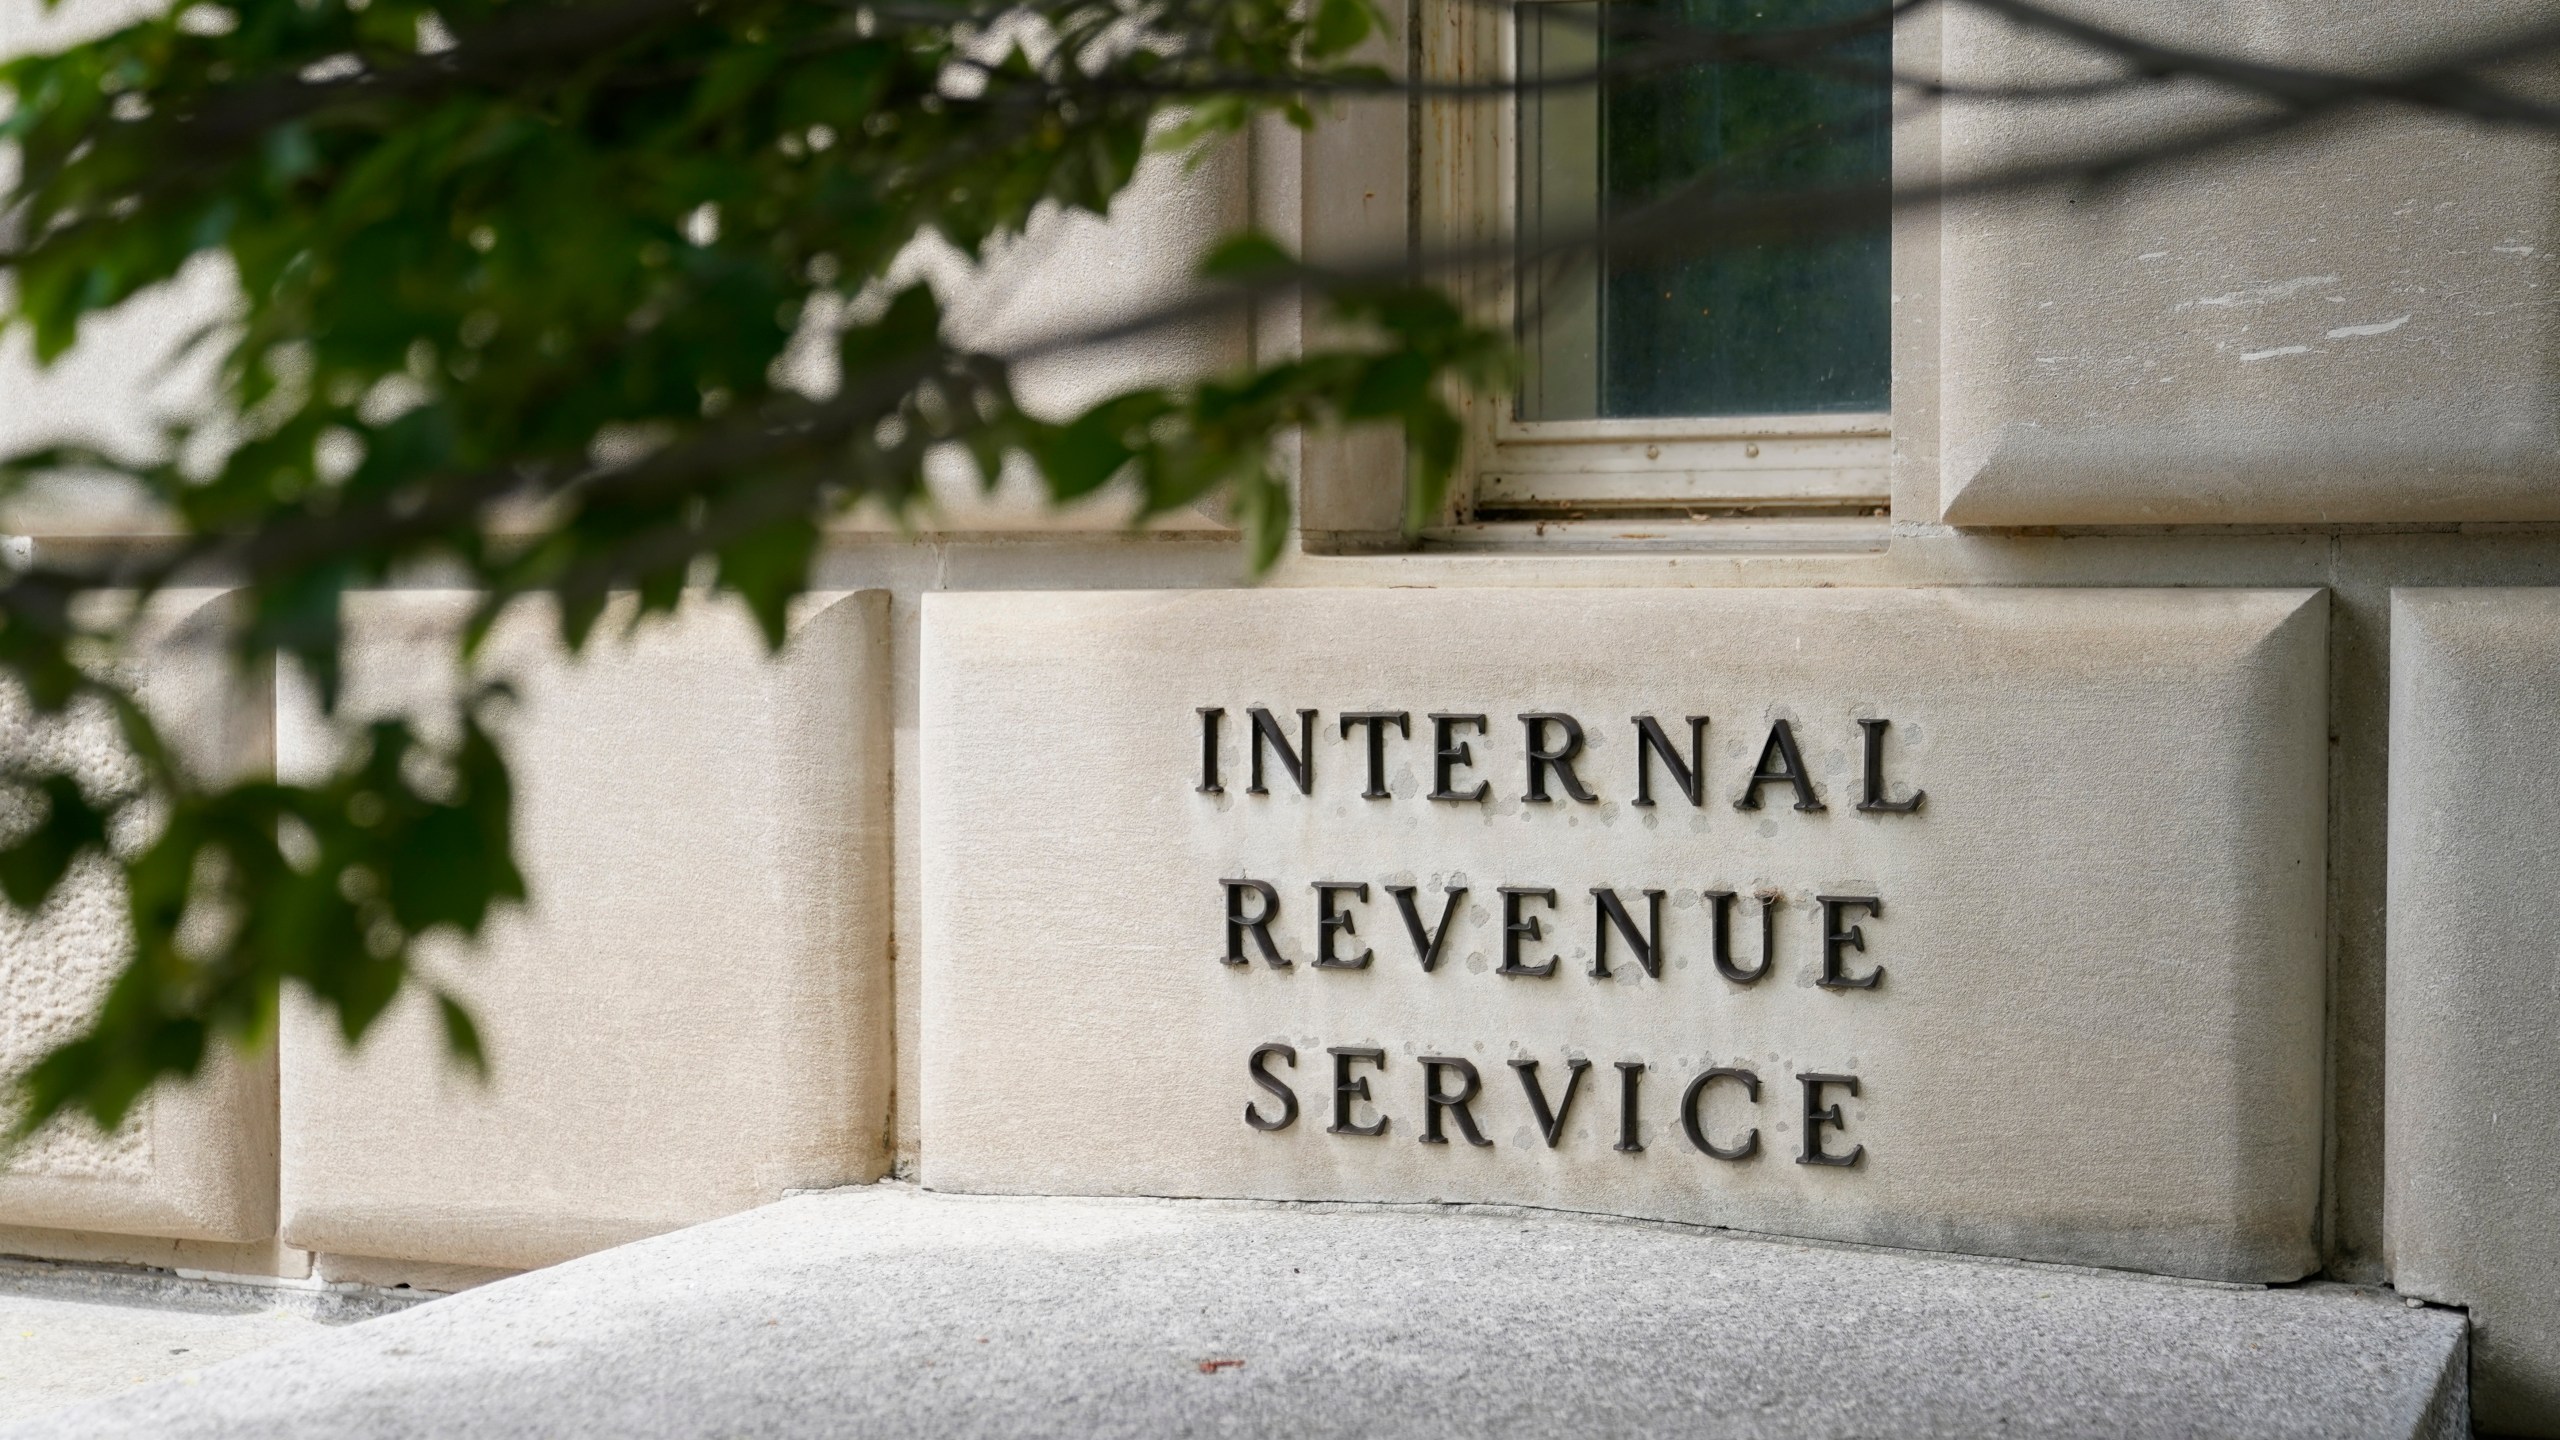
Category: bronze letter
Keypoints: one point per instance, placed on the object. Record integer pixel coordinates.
(1610, 910)
(1782, 747)
(1259, 926)
(1690, 776)
(1559, 759)
(1818, 1116)
(1630, 1073)
(1697, 1091)
(1517, 927)
(1210, 715)
(1434, 1102)
(1449, 755)
(1272, 1083)
(1722, 948)
(1875, 786)
(1426, 943)
(1377, 721)
(1329, 924)
(1347, 1090)
(1835, 940)
(1550, 1123)
(1300, 761)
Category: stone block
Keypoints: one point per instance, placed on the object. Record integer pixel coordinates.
(692, 1017)
(197, 1161)
(110, 393)
(1074, 274)
(2471, 1163)
(2054, 992)
(2354, 322)
(157, 1252)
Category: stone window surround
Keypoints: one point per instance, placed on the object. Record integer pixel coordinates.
(1725, 466)
(1373, 177)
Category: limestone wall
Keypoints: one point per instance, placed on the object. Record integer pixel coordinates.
(2213, 614)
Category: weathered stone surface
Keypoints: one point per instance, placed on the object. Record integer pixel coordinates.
(34, 1244)
(1073, 274)
(2097, 1038)
(694, 1016)
(196, 1161)
(113, 391)
(886, 1312)
(62, 1352)
(79, 1332)
(2471, 1198)
(2351, 323)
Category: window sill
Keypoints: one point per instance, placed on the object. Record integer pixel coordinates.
(1606, 470)
(1774, 534)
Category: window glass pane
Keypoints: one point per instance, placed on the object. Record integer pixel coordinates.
(1559, 198)
(1785, 328)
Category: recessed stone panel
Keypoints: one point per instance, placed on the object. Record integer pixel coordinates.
(2471, 1199)
(197, 1161)
(2043, 974)
(2351, 322)
(693, 1015)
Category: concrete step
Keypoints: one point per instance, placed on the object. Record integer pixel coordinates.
(888, 1311)
(72, 1332)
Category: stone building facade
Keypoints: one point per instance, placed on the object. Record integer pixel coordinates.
(2115, 832)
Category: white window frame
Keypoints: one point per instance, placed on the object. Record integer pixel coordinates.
(1782, 477)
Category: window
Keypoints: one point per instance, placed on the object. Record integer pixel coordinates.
(1660, 386)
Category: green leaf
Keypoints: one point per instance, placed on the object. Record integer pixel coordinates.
(731, 79)
(291, 155)
(462, 1037)
(1262, 509)
(360, 987)
(33, 864)
(1391, 385)
(1339, 25)
(1433, 437)
(1083, 456)
(476, 341)
(1249, 256)
(768, 567)
(434, 871)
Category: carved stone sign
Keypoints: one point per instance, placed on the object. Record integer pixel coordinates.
(1986, 920)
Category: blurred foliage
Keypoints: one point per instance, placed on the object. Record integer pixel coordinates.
(528, 292)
